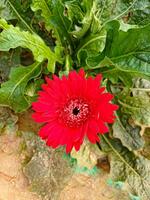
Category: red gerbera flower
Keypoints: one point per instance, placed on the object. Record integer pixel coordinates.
(73, 107)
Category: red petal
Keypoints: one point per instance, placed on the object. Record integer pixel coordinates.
(92, 132)
(45, 131)
(102, 127)
(81, 73)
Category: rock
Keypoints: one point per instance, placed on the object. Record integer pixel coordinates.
(47, 171)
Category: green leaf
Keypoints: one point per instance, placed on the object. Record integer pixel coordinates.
(90, 47)
(131, 11)
(12, 91)
(138, 107)
(128, 167)
(112, 9)
(131, 57)
(133, 49)
(5, 11)
(12, 37)
(16, 9)
(62, 24)
(129, 134)
(140, 13)
(45, 7)
(53, 14)
(8, 60)
(115, 74)
(81, 15)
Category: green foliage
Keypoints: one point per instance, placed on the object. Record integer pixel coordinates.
(90, 47)
(132, 11)
(17, 9)
(140, 13)
(134, 57)
(53, 14)
(5, 11)
(44, 6)
(12, 37)
(137, 106)
(133, 51)
(103, 36)
(128, 167)
(12, 91)
(62, 24)
(129, 134)
(8, 60)
(81, 16)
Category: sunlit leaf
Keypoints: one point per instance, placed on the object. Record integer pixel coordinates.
(12, 91)
(12, 37)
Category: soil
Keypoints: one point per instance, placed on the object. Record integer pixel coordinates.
(14, 185)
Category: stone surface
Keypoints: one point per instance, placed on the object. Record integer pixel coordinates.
(47, 171)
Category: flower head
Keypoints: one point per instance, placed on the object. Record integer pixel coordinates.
(73, 107)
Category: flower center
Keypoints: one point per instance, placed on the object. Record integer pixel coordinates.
(74, 113)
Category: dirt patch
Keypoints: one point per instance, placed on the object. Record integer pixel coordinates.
(13, 184)
(82, 187)
(26, 123)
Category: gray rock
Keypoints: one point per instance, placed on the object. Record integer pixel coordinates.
(47, 171)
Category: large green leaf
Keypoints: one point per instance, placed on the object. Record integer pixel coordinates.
(53, 14)
(128, 167)
(126, 51)
(129, 134)
(62, 24)
(140, 13)
(12, 37)
(133, 49)
(12, 91)
(115, 74)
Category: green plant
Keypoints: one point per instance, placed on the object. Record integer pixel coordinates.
(102, 36)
